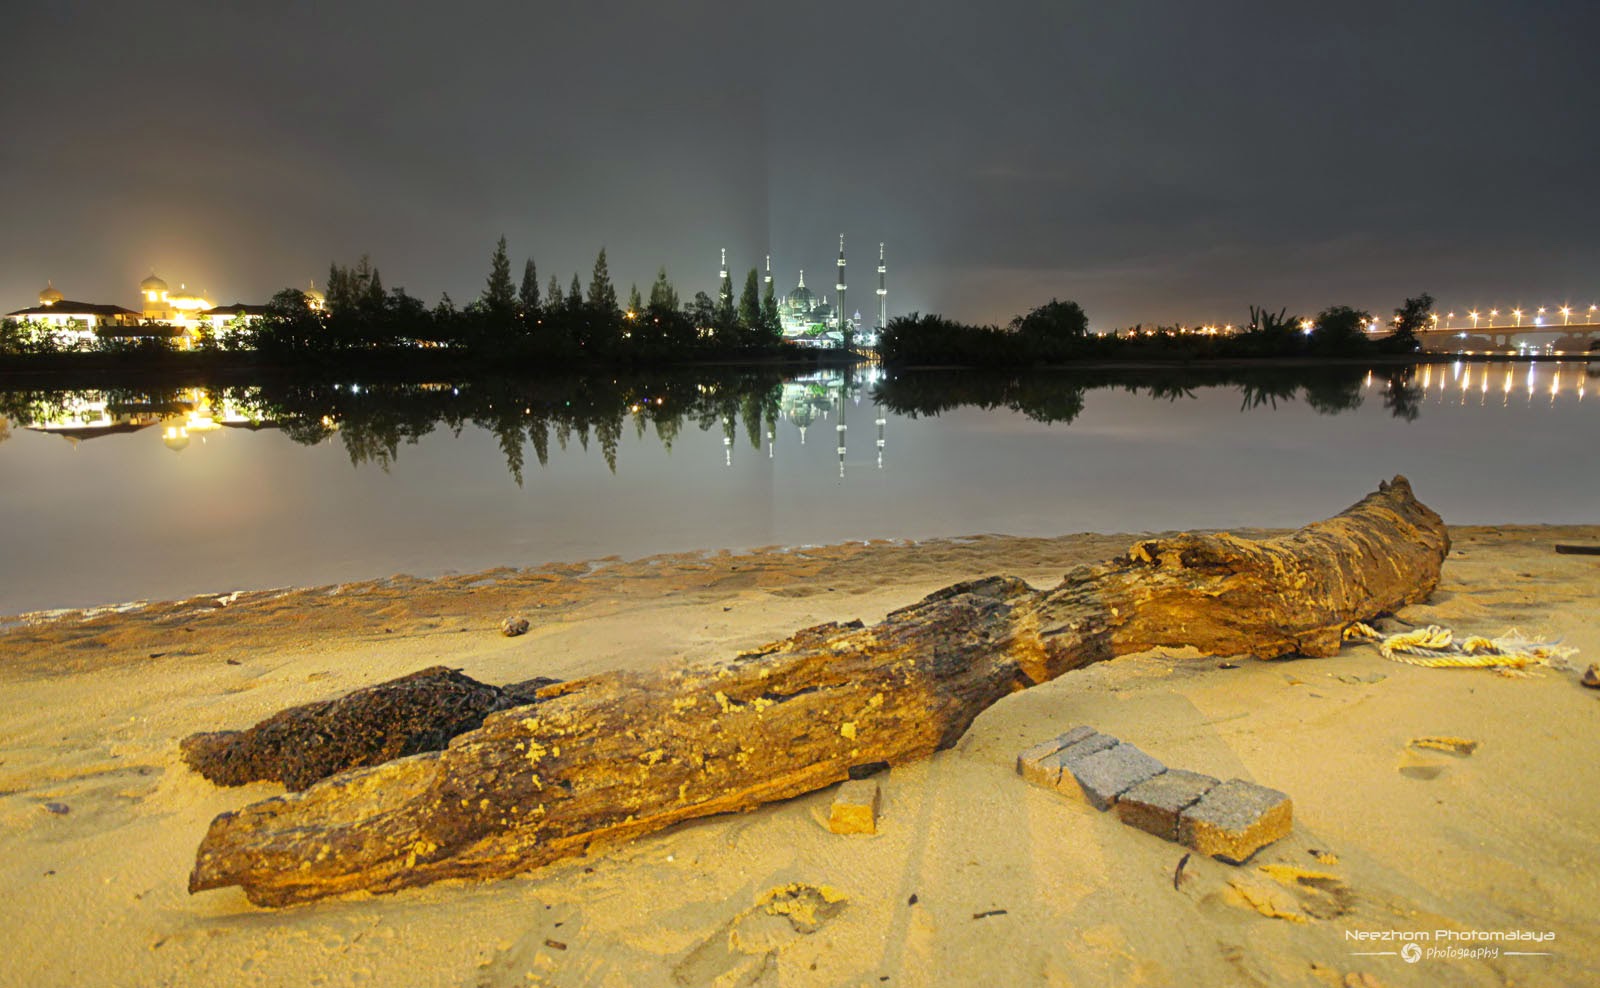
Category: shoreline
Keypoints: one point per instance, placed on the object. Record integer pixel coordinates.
(61, 373)
(1421, 840)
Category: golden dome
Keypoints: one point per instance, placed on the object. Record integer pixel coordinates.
(152, 284)
(50, 296)
(313, 296)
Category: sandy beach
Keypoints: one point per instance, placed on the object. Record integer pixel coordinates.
(973, 878)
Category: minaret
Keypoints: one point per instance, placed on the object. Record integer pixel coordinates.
(840, 286)
(883, 293)
(722, 278)
(768, 282)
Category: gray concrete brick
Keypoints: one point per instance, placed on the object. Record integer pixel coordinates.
(1032, 765)
(1235, 820)
(1155, 804)
(1099, 778)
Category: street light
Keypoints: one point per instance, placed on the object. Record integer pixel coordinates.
(1518, 314)
(1473, 315)
(1566, 315)
(1492, 314)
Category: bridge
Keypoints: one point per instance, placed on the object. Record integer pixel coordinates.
(1574, 339)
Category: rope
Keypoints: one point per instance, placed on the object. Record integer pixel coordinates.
(1435, 648)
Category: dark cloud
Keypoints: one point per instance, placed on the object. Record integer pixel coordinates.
(1154, 160)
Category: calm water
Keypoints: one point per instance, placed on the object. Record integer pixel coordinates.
(114, 496)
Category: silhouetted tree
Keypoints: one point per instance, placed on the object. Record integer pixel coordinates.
(1338, 329)
(635, 303)
(771, 324)
(1410, 319)
(750, 303)
(663, 297)
(702, 312)
(528, 294)
(499, 298)
(554, 301)
(602, 297)
(1054, 321)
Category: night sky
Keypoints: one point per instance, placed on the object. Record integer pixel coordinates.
(1154, 161)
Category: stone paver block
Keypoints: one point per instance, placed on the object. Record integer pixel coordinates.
(855, 808)
(1101, 777)
(1235, 820)
(1155, 804)
(1052, 767)
(1030, 763)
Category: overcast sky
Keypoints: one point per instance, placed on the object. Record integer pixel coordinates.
(1155, 161)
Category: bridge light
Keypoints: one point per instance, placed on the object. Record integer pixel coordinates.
(1566, 314)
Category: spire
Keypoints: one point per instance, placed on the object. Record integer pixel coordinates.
(769, 269)
(802, 277)
(883, 292)
(843, 319)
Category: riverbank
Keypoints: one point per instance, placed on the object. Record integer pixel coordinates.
(100, 819)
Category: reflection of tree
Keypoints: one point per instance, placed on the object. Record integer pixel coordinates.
(1402, 398)
(1058, 396)
(375, 419)
(5, 429)
(1257, 393)
(1331, 394)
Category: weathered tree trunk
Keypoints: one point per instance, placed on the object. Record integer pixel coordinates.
(613, 756)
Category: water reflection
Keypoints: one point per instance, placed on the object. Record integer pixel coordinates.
(374, 420)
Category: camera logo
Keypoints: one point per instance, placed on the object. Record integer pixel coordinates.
(1411, 953)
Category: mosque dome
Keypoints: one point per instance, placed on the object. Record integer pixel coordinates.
(50, 295)
(152, 284)
(801, 298)
(313, 296)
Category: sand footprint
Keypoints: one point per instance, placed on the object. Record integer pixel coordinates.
(744, 952)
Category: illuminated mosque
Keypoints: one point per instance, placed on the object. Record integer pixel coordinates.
(811, 321)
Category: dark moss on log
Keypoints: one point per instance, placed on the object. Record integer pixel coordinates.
(406, 716)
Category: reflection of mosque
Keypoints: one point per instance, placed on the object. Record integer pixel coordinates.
(817, 400)
(182, 416)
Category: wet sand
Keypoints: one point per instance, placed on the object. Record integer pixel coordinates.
(99, 819)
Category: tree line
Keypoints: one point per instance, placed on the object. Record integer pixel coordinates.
(1057, 332)
(512, 319)
(509, 320)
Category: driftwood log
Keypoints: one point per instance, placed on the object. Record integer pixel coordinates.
(405, 716)
(621, 754)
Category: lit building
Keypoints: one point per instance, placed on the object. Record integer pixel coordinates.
(181, 308)
(804, 317)
(181, 314)
(811, 321)
(76, 320)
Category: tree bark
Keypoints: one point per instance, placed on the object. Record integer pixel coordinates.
(617, 755)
